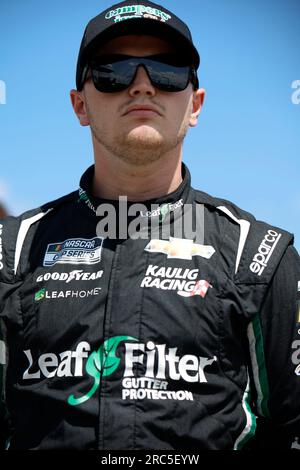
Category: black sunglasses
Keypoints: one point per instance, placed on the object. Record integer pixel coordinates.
(167, 72)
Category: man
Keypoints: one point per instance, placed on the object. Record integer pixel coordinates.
(179, 332)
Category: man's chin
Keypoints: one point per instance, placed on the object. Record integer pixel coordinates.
(145, 135)
(139, 151)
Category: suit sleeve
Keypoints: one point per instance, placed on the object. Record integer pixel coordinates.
(6, 286)
(2, 350)
(275, 339)
(4, 425)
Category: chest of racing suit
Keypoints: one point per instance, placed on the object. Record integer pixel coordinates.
(135, 342)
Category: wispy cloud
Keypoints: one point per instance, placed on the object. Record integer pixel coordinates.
(4, 190)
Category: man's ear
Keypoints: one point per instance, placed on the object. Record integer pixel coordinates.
(79, 106)
(198, 100)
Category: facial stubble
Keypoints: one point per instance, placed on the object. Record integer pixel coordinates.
(140, 145)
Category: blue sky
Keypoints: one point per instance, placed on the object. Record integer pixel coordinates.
(246, 145)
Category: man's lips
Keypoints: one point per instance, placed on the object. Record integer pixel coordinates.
(141, 110)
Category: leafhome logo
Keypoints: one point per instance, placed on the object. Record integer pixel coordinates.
(265, 250)
(183, 281)
(77, 294)
(160, 363)
(180, 248)
(136, 11)
(1, 255)
(76, 275)
(74, 251)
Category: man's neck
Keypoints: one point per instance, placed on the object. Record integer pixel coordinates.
(114, 177)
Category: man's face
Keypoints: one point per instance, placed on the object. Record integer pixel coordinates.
(142, 123)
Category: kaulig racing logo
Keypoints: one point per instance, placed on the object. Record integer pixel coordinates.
(183, 281)
(160, 362)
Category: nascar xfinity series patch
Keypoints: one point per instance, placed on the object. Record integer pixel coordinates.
(74, 251)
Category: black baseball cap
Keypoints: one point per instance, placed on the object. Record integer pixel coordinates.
(134, 17)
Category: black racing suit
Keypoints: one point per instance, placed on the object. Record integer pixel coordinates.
(152, 339)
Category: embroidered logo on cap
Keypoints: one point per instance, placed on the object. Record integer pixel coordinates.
(137, 11)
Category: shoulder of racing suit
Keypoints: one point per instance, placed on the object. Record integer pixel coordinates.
(261, 246)
(14, 229)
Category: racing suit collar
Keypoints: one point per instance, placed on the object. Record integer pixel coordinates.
(181, 195)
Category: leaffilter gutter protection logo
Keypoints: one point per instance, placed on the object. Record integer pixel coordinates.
(162, 364)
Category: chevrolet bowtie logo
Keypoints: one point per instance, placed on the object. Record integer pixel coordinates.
(180, 248)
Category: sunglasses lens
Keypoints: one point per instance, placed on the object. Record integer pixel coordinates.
(115, 73)
(167, 77)
(112, 77)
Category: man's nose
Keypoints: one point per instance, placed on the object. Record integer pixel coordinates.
(141, 84)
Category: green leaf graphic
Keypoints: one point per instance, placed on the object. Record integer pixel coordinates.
(40, 295)
(164, 211)
(102, 362)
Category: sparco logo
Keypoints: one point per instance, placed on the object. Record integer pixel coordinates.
(1, 257)
(160, 363)
(265, 250)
